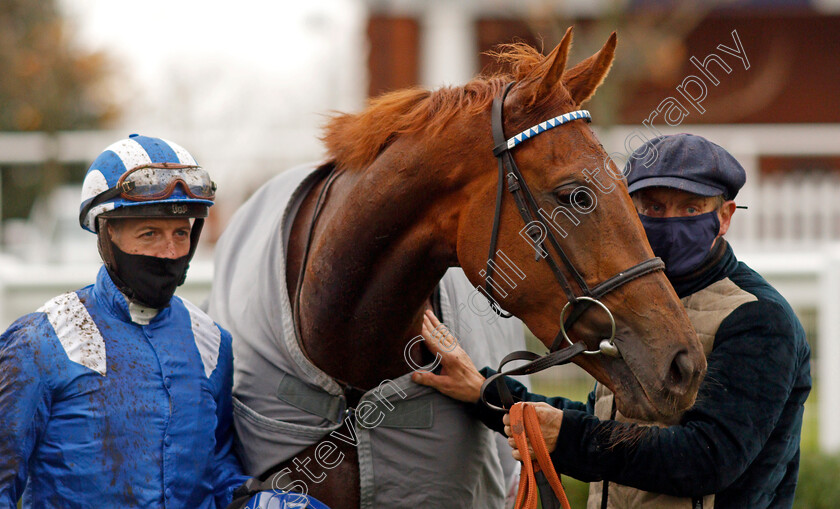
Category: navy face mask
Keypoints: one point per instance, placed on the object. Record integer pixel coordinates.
(682, 242)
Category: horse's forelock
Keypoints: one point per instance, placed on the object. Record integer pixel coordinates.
(522, 59)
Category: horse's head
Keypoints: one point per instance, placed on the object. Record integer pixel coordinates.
(581, 198)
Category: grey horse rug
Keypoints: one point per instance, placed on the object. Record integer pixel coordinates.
(423, 449)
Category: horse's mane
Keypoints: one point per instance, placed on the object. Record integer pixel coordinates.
(353, 141)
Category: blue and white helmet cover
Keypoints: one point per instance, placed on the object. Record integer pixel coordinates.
(283, 500)
(118, 158)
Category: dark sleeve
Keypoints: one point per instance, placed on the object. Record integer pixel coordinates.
(493, 418)
(751, 372)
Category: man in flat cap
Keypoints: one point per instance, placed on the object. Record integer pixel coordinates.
(738, 446)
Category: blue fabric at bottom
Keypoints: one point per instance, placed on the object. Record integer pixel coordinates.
(284, 500)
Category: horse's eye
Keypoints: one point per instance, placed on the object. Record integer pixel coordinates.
(582, 200)
(564, 197)
(567, 195)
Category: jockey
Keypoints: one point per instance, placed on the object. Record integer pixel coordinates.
(119, 394)
(738, 446)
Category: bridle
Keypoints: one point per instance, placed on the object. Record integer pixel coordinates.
(562, 348)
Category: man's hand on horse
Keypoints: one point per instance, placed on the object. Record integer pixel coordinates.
(550, 419)
(458, 377)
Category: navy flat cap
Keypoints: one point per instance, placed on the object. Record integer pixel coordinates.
(686, 162)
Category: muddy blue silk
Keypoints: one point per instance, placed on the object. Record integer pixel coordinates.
(99, 411)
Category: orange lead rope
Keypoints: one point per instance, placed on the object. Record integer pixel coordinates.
(524, 422)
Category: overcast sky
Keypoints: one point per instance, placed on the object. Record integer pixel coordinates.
(212, 63)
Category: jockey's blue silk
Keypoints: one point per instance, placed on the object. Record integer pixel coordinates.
(428, 450)
(98, 411)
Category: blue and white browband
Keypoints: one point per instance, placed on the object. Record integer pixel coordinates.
(548, 124)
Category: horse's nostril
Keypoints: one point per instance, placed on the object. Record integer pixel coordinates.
(681, 369)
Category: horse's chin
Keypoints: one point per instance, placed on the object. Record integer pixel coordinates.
(635, 403)
(638, 406)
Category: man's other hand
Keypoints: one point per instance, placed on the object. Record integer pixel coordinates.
(458, 377)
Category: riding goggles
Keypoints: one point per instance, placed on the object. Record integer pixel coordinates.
(158, 181)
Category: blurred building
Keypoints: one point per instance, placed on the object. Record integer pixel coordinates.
(790, 45)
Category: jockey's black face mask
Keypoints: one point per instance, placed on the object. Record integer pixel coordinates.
(147, 280)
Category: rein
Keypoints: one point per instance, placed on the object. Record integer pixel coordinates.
(562, 348)
(526, 428)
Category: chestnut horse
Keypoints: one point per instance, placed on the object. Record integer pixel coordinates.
(414, 193)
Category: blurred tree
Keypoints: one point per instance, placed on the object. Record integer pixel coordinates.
(46, 84)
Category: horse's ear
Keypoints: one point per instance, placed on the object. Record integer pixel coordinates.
(557, 64)
(583, 79)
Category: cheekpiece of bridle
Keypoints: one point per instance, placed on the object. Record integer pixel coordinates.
(562, 349)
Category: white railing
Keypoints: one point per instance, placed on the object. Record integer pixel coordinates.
(798, 210)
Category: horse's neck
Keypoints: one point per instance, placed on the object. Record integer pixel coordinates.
(376, 255)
